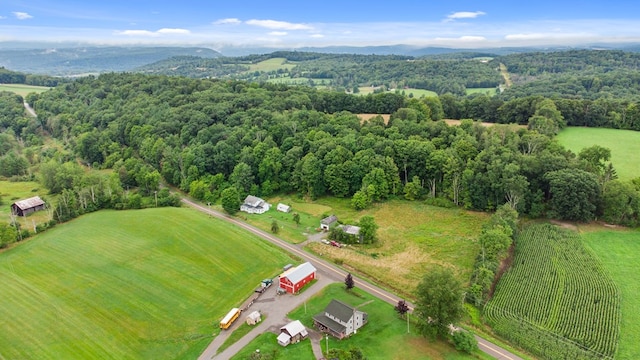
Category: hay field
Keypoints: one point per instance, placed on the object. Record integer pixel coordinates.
(141, 284)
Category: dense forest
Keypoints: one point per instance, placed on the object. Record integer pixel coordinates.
(208, 135)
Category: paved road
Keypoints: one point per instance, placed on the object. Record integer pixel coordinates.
(329, 271)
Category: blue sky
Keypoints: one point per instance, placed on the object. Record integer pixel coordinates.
(453, 23)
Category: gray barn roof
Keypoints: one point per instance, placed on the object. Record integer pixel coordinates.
(29, 203)
(253, 201)
(329, 220)
(300, 272)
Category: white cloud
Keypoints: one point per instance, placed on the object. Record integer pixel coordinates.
(278, 33)
(21, 15)
(147, 33)
(465, 15)
(227, 21)
(317, 36)
(465, 38)
(173, 31)
(278, 25)
(531, 36)
(137, 33)
(2, 17)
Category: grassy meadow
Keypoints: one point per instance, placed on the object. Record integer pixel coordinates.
(383, 337)
(273, 64)
(624, 146)
(413, 237)
(141, 284)
(417, 93)
(485, 91)
(618, 251)
(11, 192)
(22, 89)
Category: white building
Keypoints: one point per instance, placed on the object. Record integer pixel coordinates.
(254, 205)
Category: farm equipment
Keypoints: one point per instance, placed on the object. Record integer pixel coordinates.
(264, 285)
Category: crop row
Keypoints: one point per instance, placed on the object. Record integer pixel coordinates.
(556, 300)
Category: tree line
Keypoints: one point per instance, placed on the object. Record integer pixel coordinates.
(208, 135)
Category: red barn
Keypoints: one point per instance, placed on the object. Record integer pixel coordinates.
(295, 278)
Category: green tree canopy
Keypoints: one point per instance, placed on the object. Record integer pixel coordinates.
(439, 302)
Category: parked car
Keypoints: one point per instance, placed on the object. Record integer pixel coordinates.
(325, 241)
(335, 243)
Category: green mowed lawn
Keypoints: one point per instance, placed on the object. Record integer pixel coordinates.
(142, 284)
(22, 89)
(618, 251)
(624, 146)
(383, 337)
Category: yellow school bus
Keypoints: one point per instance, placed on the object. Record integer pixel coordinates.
(229, 318)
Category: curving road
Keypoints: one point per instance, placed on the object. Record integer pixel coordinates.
(328, 269)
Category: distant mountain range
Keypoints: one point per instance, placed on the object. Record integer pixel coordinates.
(69, 59)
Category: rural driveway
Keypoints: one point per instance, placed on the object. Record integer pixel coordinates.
(329, 271)
(274, 308)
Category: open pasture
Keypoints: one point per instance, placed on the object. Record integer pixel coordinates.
(556, 300)
(416, 93)
(13, 191)
(22, 89)
(413, 238)
(273, 64)
(618, 252)
(142, 284)
(624, 146)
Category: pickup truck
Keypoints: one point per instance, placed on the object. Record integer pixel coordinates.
(264, 285)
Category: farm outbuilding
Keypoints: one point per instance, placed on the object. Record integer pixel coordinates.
(328, 222)
(254, 205)
(253, 318)
(352, 230)
(340, 320)
(283, 208)
(293, 332)
(27, 206)
(294, 279)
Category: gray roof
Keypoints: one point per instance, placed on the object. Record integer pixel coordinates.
(351, 229)
(340, 310)
(294, 328)
(29, 203)
(330, 323)
(253, 201)
(329, 220)
(301, 272)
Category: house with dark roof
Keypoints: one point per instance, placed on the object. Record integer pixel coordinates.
(293, 279)
(293, 332)
(340, 320)
(254, 205)
(328, 222)
(27, 206)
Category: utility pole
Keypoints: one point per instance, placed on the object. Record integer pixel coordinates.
(155, 193)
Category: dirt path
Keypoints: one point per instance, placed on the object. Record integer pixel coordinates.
(30, 110)
(505, 75)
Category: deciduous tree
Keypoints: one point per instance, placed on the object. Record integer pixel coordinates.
(439, 302)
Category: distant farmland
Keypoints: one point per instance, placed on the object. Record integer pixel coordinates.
(143, 284)
(624, 146)
(22, 89)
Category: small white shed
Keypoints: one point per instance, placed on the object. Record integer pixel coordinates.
(283, 207)
(253, 318)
